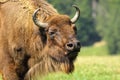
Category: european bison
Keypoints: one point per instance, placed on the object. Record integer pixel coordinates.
(35, 39)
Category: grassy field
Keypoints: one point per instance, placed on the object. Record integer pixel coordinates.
(92, 68)
(99, 66)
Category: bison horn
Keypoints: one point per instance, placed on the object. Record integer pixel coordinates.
(36, 21)
(75, 18)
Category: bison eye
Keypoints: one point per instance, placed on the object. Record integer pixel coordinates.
(52, 33)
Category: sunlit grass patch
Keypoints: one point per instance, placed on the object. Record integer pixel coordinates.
(0, 77)
(92, 50)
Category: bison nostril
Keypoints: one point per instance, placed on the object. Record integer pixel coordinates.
(70, 46)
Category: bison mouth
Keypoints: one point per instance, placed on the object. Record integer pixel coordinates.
(72, 55)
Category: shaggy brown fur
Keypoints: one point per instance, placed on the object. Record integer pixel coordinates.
(27, 50)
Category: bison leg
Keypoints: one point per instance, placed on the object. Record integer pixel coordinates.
(9, 73)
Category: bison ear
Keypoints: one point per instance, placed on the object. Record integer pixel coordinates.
(37, 22)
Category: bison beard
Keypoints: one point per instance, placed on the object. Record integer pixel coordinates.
(50, 63)
(30, 47)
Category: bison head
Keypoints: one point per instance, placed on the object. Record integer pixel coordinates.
(62, 46)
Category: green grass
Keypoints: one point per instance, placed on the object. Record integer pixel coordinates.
(0, 77)
(92, 51)
(99, 66)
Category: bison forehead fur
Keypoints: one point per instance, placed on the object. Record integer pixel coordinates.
(27, 49)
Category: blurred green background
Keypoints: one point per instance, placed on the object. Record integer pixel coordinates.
(99, 33)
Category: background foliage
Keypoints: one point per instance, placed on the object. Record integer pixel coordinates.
(108, 23)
